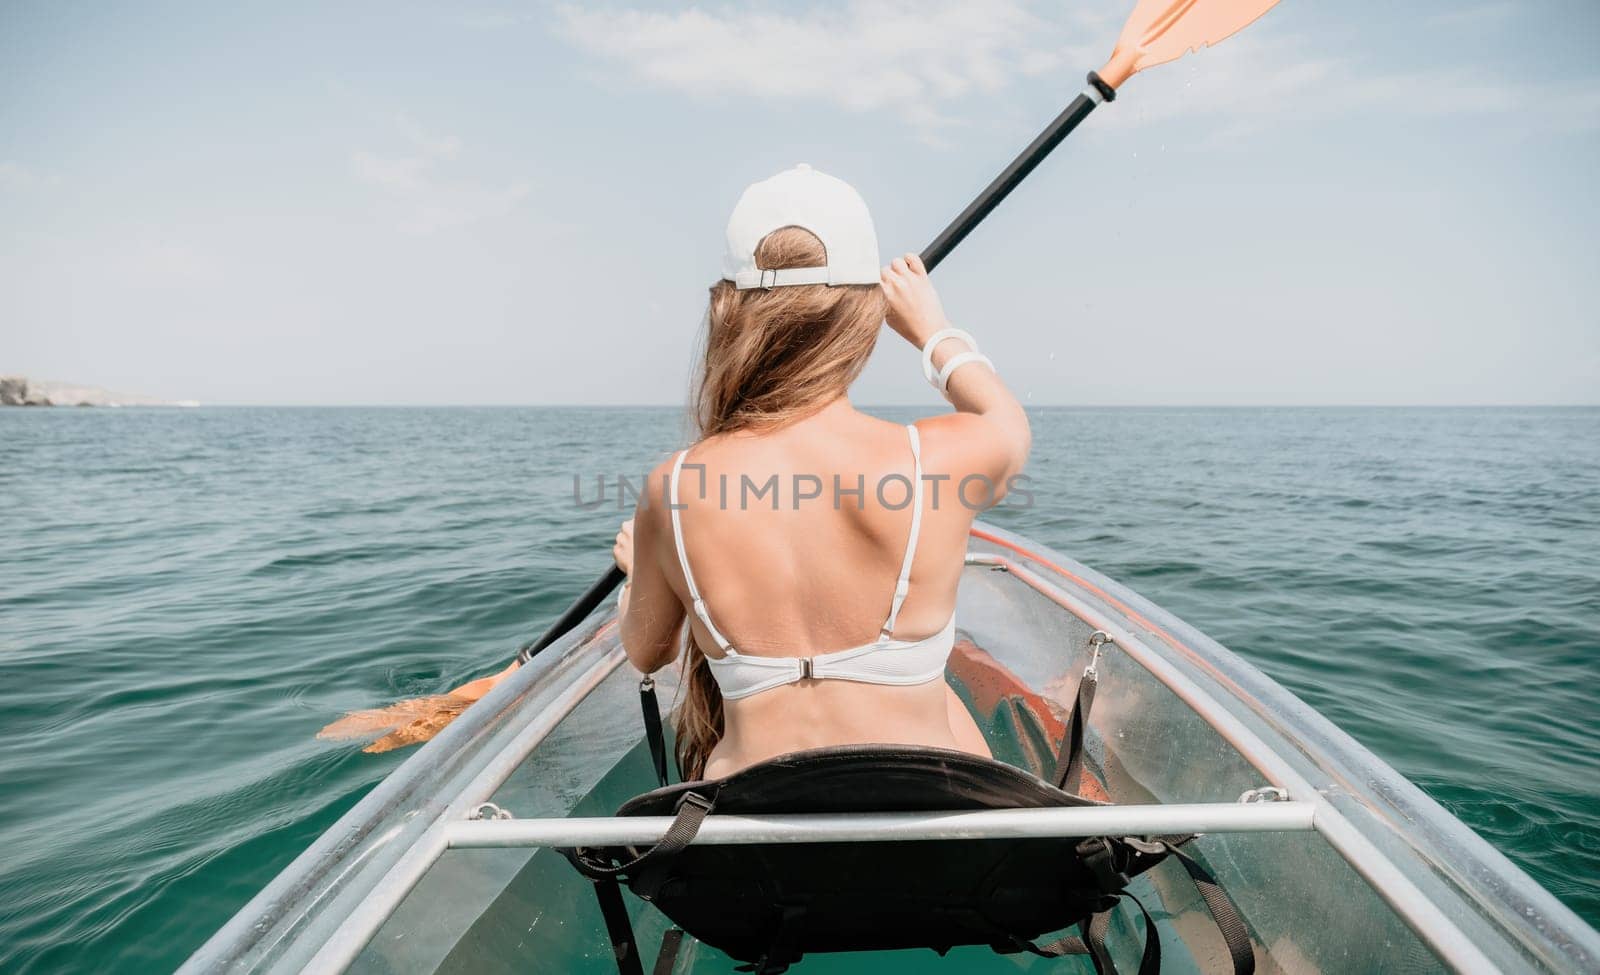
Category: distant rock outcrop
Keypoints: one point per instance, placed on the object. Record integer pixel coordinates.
(15, 391)
(21, 391)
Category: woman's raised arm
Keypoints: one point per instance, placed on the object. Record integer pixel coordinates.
(990, 428)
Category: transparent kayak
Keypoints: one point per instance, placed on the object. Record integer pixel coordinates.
(1336, 862)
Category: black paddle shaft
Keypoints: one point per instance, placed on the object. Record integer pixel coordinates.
(1020, 167)
(1007, 181)
(575, 614)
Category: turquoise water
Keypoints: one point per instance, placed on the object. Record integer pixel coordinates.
(187, 596)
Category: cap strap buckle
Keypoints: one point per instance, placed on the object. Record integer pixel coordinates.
(767, 278)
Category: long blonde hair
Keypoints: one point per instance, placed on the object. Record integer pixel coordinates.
(771, 357)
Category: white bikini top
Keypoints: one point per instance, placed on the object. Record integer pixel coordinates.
(883, 661)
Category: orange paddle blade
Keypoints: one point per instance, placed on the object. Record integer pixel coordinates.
(410, 722)
(398, 725)
(1159, 31)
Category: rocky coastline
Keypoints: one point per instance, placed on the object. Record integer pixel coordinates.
(22, 391)
(14, 391)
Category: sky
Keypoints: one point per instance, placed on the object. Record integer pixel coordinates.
(1350, 202)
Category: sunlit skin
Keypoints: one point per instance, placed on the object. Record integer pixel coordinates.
(793, 583)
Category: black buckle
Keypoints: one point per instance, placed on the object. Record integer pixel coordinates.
(766, 271)
(1100, 856)
(693, 799)
(593, 863)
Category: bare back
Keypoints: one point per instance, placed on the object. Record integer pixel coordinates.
(794, 522)
(796, 537)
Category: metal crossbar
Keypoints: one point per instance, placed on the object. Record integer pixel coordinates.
(1132, 820)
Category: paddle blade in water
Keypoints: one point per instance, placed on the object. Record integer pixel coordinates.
(410, 722)
(398, 725)
(1159, 31)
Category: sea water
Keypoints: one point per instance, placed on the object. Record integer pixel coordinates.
(187, 596)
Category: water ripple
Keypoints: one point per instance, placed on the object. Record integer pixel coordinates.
(187, 596)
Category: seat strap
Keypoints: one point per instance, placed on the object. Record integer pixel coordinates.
(667, 959)
(653, 734)
(618, 927)
(1071, 944)
(1068, 776)
(1150, 958)
(1223, 913)
(1092, 942)
(624, 947)
(692, 811)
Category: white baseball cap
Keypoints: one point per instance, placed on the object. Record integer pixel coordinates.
(802, 197)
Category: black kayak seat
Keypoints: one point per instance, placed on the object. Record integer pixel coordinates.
(768, 905)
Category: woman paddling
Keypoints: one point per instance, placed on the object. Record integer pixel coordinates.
(814, 550)
(821, 607)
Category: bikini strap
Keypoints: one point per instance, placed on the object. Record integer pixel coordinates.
(683, 556)
(903, 584)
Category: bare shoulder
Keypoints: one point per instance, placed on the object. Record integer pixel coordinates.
(959, 444)
(659, 475)
(652, 512)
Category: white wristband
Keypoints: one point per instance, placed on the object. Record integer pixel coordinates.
(934, 340)
(956, 362)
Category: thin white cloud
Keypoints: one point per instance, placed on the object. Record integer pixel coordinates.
(865, 55)
(920, 60)
(422, 190)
